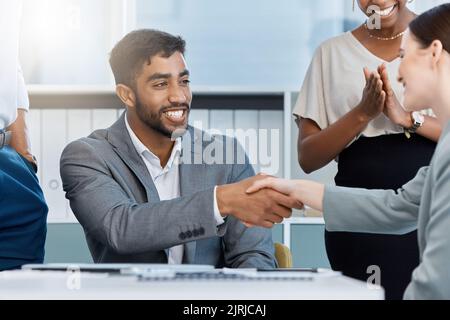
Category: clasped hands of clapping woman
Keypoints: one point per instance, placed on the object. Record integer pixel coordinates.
(378, 97)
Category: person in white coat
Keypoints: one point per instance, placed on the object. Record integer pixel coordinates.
(23, 210)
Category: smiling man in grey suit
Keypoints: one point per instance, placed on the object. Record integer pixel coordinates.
(139, 189)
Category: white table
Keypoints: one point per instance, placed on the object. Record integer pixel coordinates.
(62, 285)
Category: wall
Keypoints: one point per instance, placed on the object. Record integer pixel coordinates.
(66, 244)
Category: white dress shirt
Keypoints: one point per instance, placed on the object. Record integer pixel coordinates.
(167, 182)
(12, 85)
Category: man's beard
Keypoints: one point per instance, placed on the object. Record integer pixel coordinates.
(153, 120)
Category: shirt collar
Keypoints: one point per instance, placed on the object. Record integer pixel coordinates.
(148, 154)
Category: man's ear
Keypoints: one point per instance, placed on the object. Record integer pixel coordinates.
(126, 94)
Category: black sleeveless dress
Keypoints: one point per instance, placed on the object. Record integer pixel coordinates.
(384, 162)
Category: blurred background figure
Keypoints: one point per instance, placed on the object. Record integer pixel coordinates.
(23, 211)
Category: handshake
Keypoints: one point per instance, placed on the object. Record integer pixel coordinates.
(257, 201)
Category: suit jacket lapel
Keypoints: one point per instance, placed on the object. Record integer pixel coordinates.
(119, 138)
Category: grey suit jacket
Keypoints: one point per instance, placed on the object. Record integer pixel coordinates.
(423, 203)
(113, 197)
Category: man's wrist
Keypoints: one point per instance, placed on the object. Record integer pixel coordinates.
(219, 218)
(223, 200)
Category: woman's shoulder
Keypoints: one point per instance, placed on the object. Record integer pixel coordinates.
(340, 41)
(340, 44)
(441, 159)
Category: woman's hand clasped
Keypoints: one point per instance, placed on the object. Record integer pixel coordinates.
(393, 108)
(374, 97)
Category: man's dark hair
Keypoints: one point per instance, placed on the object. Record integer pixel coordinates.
(139, 47)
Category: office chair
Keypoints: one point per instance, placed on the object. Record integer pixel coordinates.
(283, 255)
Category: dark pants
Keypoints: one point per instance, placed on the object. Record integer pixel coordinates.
(23, 212)
(385, 162)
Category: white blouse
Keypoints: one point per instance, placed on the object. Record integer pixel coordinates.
(335, 82)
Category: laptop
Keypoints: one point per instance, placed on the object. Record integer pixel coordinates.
(117, 268)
